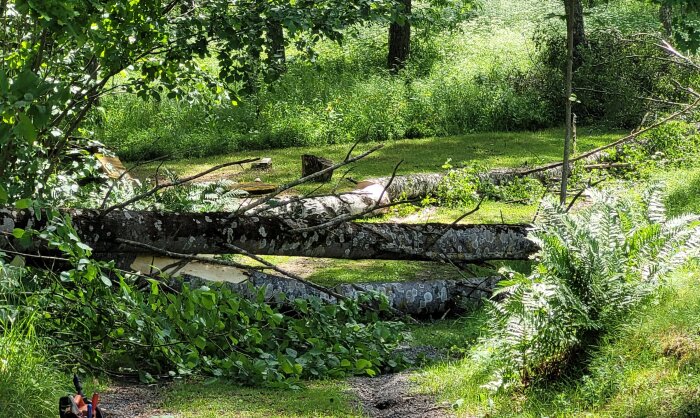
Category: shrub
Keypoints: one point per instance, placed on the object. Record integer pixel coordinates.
(155, 327)
(616, 74)
(595, 267)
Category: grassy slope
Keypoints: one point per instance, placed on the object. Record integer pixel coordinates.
(650, 368)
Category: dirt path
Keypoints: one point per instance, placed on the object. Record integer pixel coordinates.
(132, 401)
(390, 396)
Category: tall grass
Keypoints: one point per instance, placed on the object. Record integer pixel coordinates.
(485, 75)
(29, 384)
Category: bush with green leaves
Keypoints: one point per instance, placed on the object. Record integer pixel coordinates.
(620, 78)
(595, 267)
(464, 186)
(100, 318)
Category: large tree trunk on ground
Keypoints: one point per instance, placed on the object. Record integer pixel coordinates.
(420, 185)
(400, 40)
(323, 208)
(411, 297)
(210, 233)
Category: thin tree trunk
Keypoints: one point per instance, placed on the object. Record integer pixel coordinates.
(211, 233)
(400, 40)
(579, 32)
(278, 54)
(666, 18)
(570, 25)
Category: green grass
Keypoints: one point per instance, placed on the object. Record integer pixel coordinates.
(453, 334)
(30, 384)
(683, 190)
(318, 399)
(493, 149)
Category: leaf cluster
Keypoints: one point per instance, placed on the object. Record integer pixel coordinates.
(96, 317)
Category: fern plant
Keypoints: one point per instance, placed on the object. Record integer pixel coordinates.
(595, 266)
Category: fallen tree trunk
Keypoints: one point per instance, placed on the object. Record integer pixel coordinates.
(429, 297)
(210, 233)
(366, 200)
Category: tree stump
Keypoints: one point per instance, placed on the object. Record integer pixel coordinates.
(263, 164)
(312, 164)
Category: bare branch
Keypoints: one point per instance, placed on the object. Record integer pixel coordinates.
(344, 218)
(122, 175)
(622, 140)
(174, 183)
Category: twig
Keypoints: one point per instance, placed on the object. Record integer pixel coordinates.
(187, 256)
(302, 180)
(174, 183)
(580, 193)
(121, 176)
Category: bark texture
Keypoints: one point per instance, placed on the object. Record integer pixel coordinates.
(209, 233)
(324, 208)
(411, 297)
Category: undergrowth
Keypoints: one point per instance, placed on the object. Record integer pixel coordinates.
(596, 269)
(30, 384)
(155, 327)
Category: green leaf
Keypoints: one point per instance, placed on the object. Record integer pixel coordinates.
(106, 280)
(23, 203)
(200, 342)
(3, 195)
(18, 233)
(4, 83)
(363, 364)
(25, 128)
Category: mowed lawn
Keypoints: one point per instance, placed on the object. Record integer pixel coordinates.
(493, 149)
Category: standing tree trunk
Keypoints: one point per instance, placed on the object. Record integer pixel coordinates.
(579, 32)
(666, 18)
(570, 48)
(400, 40)
(278, 55)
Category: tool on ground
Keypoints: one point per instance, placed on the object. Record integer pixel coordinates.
(78, 406)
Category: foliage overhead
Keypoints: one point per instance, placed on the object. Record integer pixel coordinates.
(58, 58)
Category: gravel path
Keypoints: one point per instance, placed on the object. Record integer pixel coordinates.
(132, 401)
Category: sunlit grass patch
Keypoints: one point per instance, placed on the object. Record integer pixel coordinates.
(195, 399)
